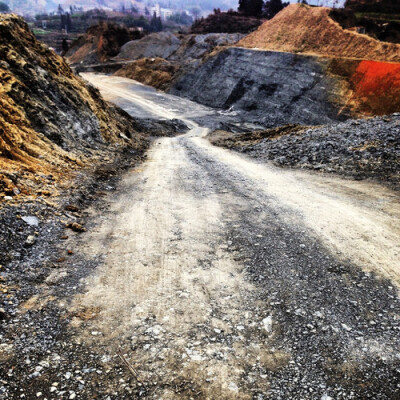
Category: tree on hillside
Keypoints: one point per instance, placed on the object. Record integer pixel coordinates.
(252, 8)
(4, 7)
(156, 24)
(195, 11)
(272, 7)
(68, 22)
(181, 18)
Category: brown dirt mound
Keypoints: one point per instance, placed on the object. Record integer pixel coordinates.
(310, 30)
(51, 123)
(155, 72)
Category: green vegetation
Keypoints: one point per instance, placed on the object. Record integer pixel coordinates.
(378, 16)
(181, 19)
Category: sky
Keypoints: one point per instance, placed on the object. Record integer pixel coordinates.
(26, 6)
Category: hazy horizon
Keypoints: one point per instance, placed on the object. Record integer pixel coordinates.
(31, 7)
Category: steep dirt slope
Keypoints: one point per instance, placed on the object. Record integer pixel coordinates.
(300, 28)
(50, 120)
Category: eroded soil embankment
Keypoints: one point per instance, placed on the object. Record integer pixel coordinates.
(51, 123)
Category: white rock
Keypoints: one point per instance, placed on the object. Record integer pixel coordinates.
(105, 359)
(267, 324)
(32, 221)
(326, 397)
(30, 240)
(232, 386)
(346, 327)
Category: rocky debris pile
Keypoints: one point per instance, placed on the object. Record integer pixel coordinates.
(361, 149)
(268, 88)
(170, 127)
(171, 46)
(300, 28)
(100, 43)
(195, 47)
(161, 44)
(368, 69)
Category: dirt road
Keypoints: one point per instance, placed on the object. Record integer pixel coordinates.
(224, 278)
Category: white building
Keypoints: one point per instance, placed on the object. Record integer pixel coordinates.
(164, 13)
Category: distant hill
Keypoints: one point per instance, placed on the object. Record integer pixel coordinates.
(310, 30)
(380, 6)
(225, 22)
(31, 7)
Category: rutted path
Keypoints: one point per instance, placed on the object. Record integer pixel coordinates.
(224, 278)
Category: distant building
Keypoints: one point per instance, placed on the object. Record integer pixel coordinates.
(155, 10)
(162, 13)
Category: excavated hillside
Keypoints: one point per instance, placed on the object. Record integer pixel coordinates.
(304, 29)
(267, 88)
(51, 122)
(100, 43)
(299, 67)
(159, 58)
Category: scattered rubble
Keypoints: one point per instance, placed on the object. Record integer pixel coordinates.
(365, 148)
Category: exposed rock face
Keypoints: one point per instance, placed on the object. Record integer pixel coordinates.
(266, 87)
(160, 57)
(183, 48)
(50, 120)
(194, 47)
(161, 45)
